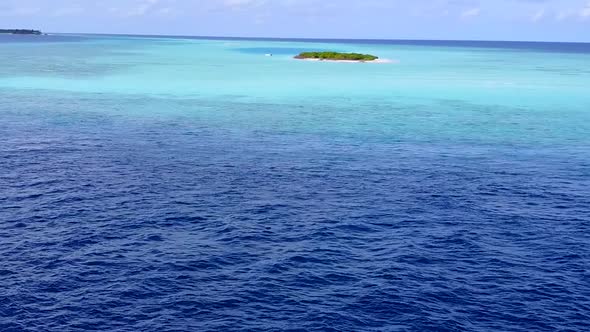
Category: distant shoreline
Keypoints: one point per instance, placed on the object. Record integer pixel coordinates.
(20, 32)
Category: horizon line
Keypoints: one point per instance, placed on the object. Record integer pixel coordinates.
(315, 38)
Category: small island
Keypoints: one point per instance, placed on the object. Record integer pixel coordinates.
(335, 56)
(20, 32)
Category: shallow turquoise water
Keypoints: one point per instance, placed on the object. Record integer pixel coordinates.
(170, 184)
(456, 90)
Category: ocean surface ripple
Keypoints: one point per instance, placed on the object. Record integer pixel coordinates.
(116, 217)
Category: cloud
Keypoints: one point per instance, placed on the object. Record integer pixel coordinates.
(166, 11)
(20, 11)
(539, 15)
(240, 4)
(68, 11)
(469, 13)
(571, 13)
(564, 14)
(585, 12)
(142, 8)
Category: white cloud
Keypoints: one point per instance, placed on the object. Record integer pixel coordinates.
(20, 11)
(574, 14)
(140, 8)
(68, 11)
(564, 15)
(585, 12)
(166, 11)
(539, 15)
(239, 4)
(143, 8)
(469, 13)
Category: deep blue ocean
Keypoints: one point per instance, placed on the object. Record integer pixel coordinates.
(178, 184)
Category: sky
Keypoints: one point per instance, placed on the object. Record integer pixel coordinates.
(534, 20)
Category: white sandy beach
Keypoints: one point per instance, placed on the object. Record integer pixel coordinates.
(352, 61)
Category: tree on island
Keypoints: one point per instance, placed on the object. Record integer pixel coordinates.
(337, 56)
(20, 32)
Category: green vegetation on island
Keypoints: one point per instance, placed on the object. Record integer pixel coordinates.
(20, 32)
(335, 56)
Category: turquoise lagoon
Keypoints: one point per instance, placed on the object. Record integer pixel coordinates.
(434, 91)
